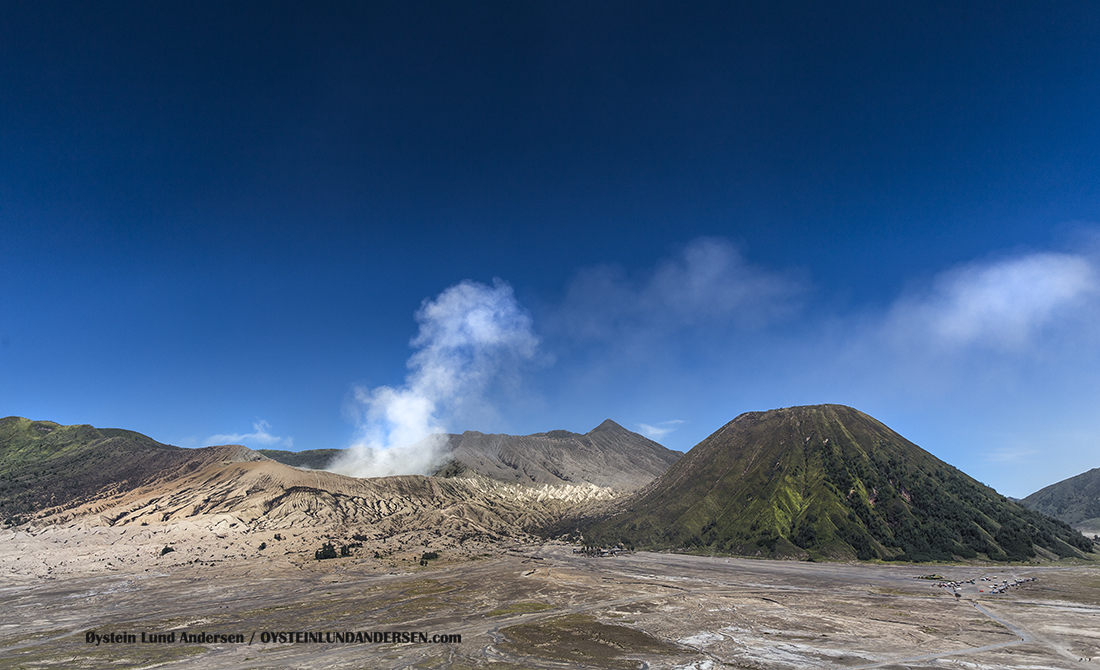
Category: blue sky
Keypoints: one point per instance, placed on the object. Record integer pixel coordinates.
(308, 227)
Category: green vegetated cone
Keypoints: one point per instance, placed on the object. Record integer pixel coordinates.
(828, 481)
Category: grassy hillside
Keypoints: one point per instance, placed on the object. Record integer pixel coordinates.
(828, 481)
(44, 464)
(1075, 500)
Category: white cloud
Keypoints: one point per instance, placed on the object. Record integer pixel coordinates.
(1007, 345)
(990, 360)
(1003, 305)
(260, 435)
(660, 430)
(1011, 455)
(471, 336)
(981, 363)
(707, 285)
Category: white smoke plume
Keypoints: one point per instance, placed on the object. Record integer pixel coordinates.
(470, 336)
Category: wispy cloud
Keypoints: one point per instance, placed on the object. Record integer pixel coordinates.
(260, 436)
(990, 359)
(707, 284)
(1010, 455)
(987, 345)
(979, 358)
(471, 336)
(1003, 305)
(660, 430)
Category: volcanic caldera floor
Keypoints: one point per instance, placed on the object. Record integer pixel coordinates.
(543, 606)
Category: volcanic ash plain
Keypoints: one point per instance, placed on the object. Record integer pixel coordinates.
(518, 605)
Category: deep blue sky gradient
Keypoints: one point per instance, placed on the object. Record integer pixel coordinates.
(213, 214)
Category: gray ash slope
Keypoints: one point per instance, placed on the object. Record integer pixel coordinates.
(608, 455)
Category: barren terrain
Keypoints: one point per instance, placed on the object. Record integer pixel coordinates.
(213, 563)
(526, 605)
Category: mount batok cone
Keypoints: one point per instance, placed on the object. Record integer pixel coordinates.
(828, 481)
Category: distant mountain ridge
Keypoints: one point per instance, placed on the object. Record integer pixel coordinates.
(46, 468)
(312, 459)
(44, 464)
(828, 481)
(1075, 500)
(825, 481)
(608, 455)
(89, 477)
